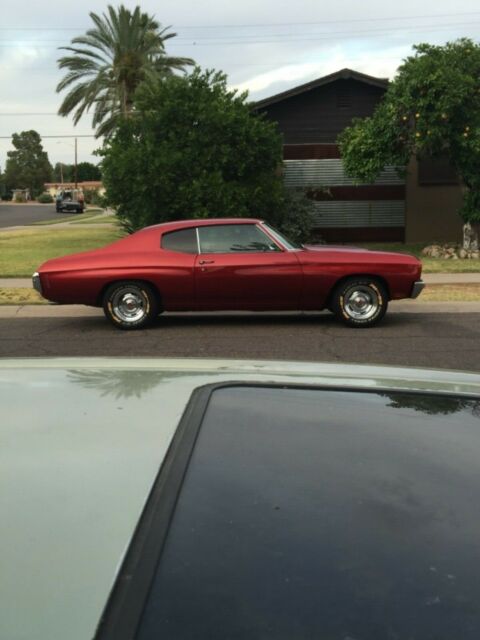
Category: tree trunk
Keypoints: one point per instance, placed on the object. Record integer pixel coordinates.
(471, 236)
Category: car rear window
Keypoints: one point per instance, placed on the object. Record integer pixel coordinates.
(183, 240)
(308, 513)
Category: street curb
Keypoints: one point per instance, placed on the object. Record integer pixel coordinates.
(78, 311)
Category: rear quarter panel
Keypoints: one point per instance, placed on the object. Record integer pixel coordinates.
(82, 278)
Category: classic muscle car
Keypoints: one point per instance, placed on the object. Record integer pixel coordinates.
(227, 264)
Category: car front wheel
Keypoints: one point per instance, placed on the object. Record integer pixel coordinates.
(130, 305)
(360, 302)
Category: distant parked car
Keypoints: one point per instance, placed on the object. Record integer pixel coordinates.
(228, 264)
(70, 200)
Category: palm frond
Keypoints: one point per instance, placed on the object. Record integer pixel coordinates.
(106, 65)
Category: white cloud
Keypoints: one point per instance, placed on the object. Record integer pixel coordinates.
(258, 43)
(381, 65)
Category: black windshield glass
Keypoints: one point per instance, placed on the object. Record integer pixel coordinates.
(310, 514)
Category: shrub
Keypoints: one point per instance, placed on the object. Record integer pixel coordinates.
(45, 198)
(295, 215)
(92, 196)
(196, 151)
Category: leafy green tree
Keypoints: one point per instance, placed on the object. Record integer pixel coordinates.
(63, 172)
(27, 166)
(431, 108)
(87, 171)
(196, 150)
(107, 64)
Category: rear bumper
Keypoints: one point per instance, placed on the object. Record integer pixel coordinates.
(70, 206)
(417, 288)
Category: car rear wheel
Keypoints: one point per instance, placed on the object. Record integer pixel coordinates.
(360, 302)
(130, 304)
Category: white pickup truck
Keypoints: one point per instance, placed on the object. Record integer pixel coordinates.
(70, 200)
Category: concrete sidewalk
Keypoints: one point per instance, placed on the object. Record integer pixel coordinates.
(429, 278)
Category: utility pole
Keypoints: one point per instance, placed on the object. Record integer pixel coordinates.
(76, 177)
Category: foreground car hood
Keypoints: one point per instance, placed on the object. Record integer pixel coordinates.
(82, 441)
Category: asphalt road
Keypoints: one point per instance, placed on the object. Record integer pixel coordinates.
(13, 215)
(432, 340)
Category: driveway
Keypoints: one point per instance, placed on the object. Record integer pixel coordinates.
(14, 215)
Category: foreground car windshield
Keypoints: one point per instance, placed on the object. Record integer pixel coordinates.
(299, 515)
(288, 244)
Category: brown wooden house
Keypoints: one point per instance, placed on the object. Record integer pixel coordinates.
(421, 207)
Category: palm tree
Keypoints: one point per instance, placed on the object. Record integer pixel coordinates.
(108, 63)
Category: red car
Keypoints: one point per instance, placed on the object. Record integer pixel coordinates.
(220, 264)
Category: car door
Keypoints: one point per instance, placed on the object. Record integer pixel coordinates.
(174, 276)
(240, 267)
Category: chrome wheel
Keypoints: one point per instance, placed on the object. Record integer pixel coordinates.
(129, 305)
(361, 302)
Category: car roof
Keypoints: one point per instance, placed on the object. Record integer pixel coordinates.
(182, 224)
(82, 442)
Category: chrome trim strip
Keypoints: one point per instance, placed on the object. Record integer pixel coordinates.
(198, 241)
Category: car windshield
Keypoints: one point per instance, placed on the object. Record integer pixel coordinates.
(288, 244)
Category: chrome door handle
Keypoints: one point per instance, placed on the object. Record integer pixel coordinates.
(206, 261)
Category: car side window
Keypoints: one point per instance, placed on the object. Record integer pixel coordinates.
(183, 241)
(234, 238)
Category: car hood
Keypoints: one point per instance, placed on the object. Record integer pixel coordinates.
(82, 442)
(342, 250)
(332, 247)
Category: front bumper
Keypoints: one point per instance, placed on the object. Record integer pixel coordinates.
(417, 288)
(36, 282)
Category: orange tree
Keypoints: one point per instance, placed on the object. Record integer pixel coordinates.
(431, 108)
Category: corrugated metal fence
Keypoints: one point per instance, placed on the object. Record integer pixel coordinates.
(346, 213)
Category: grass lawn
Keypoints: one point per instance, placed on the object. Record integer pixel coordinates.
(22, 251)
(109, 219)
(21, 296)
(430, 265)
(72, 217)
(450, 293)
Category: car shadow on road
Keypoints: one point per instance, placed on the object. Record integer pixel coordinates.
(240, 319)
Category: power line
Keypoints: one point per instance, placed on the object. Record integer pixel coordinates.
(293, 61)
(275, 38)
(266, 24)
(73, 135)
(303, 36)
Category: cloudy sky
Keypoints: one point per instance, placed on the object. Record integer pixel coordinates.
(265, 46)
